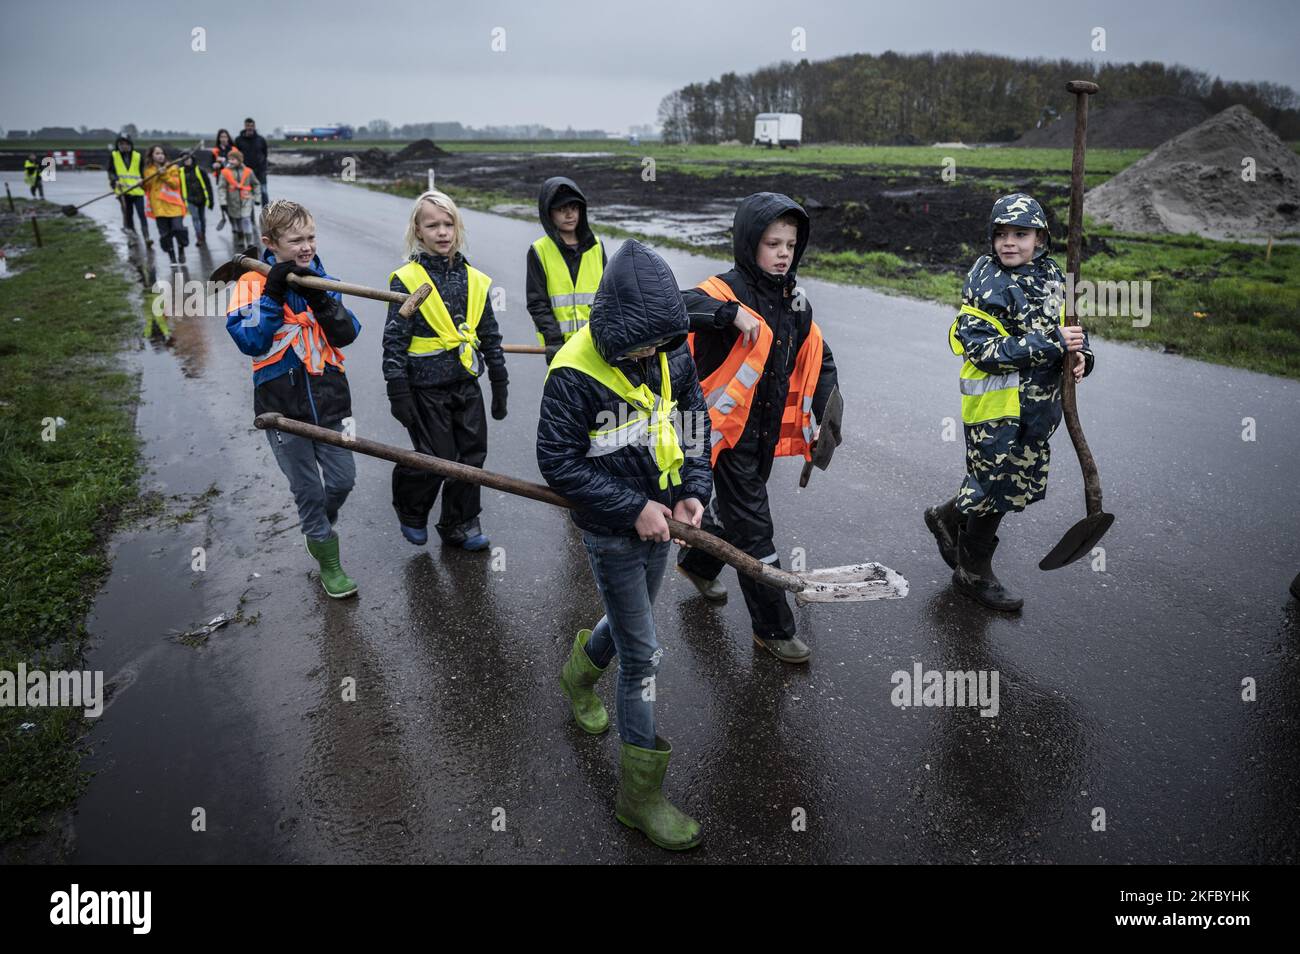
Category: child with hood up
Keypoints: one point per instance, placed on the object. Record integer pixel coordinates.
(564, 265)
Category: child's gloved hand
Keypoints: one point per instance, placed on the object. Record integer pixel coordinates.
(651, 525)
(498, 400)
(400, 401)
(277, 281)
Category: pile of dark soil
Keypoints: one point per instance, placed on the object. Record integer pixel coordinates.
(1125, 124)
(421, 149)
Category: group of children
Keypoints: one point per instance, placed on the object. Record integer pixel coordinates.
(151, 186)
(657, 404)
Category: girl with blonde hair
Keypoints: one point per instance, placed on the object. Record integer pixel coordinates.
(432, 363)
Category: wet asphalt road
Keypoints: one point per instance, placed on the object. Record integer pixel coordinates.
(1118, 689)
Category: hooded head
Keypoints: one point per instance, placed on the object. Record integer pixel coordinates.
(1023, 210)
(754, 214)
(124, 138)
(637, 305)
(555, 192)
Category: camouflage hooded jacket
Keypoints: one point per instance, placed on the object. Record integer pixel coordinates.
(1027, 301)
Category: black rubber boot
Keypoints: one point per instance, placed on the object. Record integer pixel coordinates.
(974, 574)
(944, 522)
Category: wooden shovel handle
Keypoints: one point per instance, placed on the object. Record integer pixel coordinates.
(410, 303)
(1073, 253)
(452, 470)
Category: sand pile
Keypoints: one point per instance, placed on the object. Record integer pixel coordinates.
(1125, 124)
(1193, 183)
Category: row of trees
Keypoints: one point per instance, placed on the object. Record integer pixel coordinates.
(915, 98)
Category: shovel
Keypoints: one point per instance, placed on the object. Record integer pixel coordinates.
(842, 584)
(1084, 535)
(248, 261)
(823, 446)
(73, 209)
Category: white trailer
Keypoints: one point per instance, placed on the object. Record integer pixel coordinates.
(778, 129)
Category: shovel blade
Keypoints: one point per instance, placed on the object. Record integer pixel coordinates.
(1078, 541)
(856, 583)
(69, 210)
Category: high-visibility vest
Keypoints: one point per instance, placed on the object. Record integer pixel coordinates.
(241, 185)
(651, 420)
(128, 176)
(300, 331)
(729, 391)
(984, 396)
(30, 171)
(202, 181)
(170, 192)
(570, 300)
(447, 335)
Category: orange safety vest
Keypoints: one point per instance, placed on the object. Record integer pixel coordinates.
(729, 391)
(242, 185)
(300, 331)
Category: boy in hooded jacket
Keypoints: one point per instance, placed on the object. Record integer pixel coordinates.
(1010, 333)
(623, 433)
(762, 407)
(564, 266)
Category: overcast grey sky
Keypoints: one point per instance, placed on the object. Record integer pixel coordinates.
(577, 62)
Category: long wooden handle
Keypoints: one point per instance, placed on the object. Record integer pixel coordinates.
(410, 303)
(692, 536)
(1073, 253)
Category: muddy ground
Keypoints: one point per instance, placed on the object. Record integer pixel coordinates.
(918, 217)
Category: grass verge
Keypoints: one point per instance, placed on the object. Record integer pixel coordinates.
(59, 336)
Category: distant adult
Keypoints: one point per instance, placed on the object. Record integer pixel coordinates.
(253, 146)
(124, 176)
(224, 144)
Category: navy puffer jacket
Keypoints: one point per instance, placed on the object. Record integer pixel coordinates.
(638, 303)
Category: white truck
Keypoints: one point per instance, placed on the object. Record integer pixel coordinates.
(778, 129)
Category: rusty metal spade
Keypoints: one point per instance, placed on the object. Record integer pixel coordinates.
(1084, 535)
(842, 584)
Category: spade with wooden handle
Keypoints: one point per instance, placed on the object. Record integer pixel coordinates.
(410, 303)
(842, 584)
(1084, 535)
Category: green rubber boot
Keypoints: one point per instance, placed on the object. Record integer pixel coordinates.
(641, 804)
(332, 578)
(577, 678)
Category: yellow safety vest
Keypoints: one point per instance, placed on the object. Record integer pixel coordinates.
(128, 177)
(447, 335)
(30, 171)
(570, 300)
(984, 396)
(652, 418)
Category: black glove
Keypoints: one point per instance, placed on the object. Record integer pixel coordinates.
(277, 281)
(498, 400)
(551, 351)
(317, 298)
(400, 401)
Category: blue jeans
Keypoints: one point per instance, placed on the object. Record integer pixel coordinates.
(628, 572)
(320, 475)
(199, 218)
